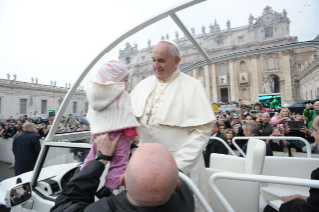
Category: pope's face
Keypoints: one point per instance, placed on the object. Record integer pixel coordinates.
(164, 64)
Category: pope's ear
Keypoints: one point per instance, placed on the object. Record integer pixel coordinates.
(122, 180)
(177, 60)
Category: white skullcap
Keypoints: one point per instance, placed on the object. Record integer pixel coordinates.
(170, 41)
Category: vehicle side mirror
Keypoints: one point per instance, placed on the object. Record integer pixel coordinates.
(17, 195)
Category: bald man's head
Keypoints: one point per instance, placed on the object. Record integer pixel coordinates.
(151, 176)
(28, 127)
(266, 118)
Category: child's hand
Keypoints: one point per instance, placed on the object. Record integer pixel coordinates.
(135, 140)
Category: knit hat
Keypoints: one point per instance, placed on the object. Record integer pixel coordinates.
(113, 71)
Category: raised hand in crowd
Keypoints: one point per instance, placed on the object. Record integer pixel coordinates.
(308, 106)
(305, 130)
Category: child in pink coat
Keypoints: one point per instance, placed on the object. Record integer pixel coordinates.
(110, 112)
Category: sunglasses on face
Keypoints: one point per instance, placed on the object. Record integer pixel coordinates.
(236, 118)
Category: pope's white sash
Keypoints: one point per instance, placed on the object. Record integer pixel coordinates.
(171, 139)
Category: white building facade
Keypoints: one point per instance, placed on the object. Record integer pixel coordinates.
(23, 98)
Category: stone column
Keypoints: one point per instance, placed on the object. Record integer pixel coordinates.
(207, 81)
(287, 73)
(214, 83)
(232, 79)
(254, 85)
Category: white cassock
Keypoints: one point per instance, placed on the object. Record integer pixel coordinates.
(180, 120)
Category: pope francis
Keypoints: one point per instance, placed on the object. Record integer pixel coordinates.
(174, 110)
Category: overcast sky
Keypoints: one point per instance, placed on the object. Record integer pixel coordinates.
(56, 40)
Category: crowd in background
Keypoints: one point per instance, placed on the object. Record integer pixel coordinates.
(257, 121)
(10, 128)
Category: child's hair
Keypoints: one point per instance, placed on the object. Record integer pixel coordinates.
(113, 71)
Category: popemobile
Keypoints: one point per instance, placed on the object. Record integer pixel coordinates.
(235, 183)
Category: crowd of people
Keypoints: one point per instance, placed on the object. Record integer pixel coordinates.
(10, 128)
(257, 122)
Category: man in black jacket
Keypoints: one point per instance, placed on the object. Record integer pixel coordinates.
(265, 128)
(151, 180)
(215, 146)
(26, 148)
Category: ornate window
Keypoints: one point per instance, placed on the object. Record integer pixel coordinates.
(128, 60)
(299, 65)
(222, 68)
(271, 63)
(23, 106)
(220, 42)
(44, 107)
(245, 93)
(200, 71)
(268, 32)
(75, 107)
(242, 65)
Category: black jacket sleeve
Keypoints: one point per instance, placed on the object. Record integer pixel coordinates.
(79, 192)
(36, 145)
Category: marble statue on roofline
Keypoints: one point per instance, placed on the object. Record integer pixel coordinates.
(32, 79)
(176, 35)
(251, 19)
(54, 83)
(203, 29)
(167, 36)
(149, 43)
(14, 77)
(162, 38)
(36, 80)
(193, 30)
(8, 76)
(228, 24)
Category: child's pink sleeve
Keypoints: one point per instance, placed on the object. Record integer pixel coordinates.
(130, 132)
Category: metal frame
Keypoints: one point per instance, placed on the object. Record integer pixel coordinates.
(225, 144)
(195, 190)
(51, 136)
(276, 138)
(190, 37)
(255, 178)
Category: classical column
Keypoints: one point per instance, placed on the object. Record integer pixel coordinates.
(232, 80)
(214, 83)
(287, 73)
(207, 81)
(254, 85)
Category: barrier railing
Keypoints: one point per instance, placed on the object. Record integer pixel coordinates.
(225, 144)
(255, 178)
(195, 190)
(272, 138)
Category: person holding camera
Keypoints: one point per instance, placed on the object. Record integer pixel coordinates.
(265, 128)
(311, 114)
(277, 144)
